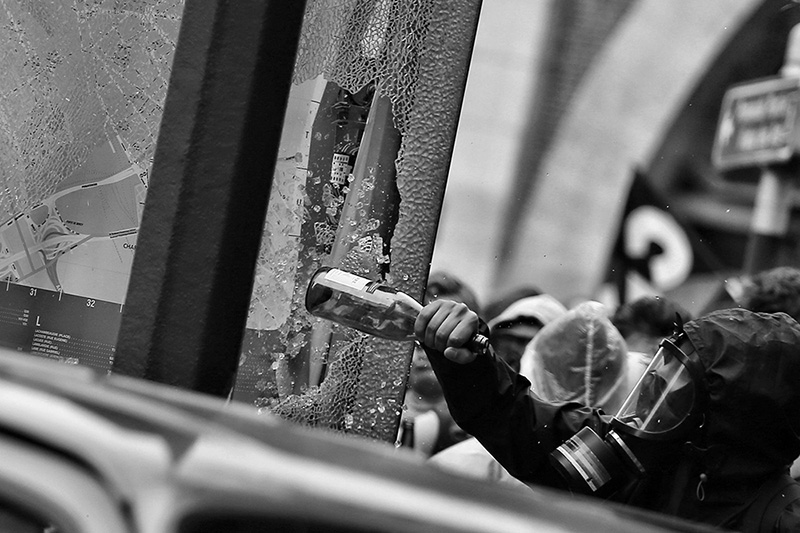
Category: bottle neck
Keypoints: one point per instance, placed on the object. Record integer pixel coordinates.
(405, 437)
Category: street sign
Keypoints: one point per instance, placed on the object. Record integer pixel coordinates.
(758, 124)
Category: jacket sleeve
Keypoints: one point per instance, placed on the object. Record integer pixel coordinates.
(494, 404)
(789, 518)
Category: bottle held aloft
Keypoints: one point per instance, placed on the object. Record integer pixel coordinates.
(368, 306)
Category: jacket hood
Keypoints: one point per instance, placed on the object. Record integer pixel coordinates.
(751, 365)
(579, 356)
(541, 308)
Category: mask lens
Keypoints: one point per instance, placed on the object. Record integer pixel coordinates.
(663, 396)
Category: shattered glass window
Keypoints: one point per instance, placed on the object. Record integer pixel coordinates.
(81, 101)
(358, 185)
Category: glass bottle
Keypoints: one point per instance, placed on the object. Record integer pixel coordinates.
(405, 437)
(368, 306)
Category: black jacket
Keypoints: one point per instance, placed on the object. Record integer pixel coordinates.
(751, 366)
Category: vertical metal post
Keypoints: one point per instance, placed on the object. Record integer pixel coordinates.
(770, 222)
(773, 204)
(192, 275)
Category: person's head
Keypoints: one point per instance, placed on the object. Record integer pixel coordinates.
(498, 304)
(514, 327)
(726, 384)
(772, 291)
(645, 321)
(579, 356)
(447, 286)
(424, 390)
(751, 368)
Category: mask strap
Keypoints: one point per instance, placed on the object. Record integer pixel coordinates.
(700, 491)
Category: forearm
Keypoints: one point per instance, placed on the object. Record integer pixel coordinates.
(494, 404)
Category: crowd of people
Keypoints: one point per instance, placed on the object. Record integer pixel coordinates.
(644, 404)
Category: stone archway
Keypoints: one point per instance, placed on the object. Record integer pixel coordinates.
(619, 115)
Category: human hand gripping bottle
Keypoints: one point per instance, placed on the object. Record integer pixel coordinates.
(368, 306)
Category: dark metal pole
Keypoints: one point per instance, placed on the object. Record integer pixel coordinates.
(770, 224)
(191, 280)
(773, 204)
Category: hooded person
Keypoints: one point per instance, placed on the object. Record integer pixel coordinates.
(770, 291)
(582, 357)
(707, 433)
(512, 330)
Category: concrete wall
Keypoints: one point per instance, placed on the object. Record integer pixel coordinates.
(637, 85)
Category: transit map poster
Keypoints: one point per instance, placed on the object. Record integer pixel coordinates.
(81, 102)
(82, 239)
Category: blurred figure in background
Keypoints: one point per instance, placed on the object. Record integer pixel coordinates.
(582, 357)
(771, 291)
(447, 286)
(424, 404)
(499, 304)
(644, 322)
(515, 326)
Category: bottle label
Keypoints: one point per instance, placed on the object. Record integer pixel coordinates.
(347, 279)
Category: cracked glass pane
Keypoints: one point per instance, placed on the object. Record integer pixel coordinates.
(358, 184)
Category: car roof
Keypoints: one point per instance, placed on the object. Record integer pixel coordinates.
(208, 457)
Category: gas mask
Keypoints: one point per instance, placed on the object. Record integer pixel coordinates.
(665, 405)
